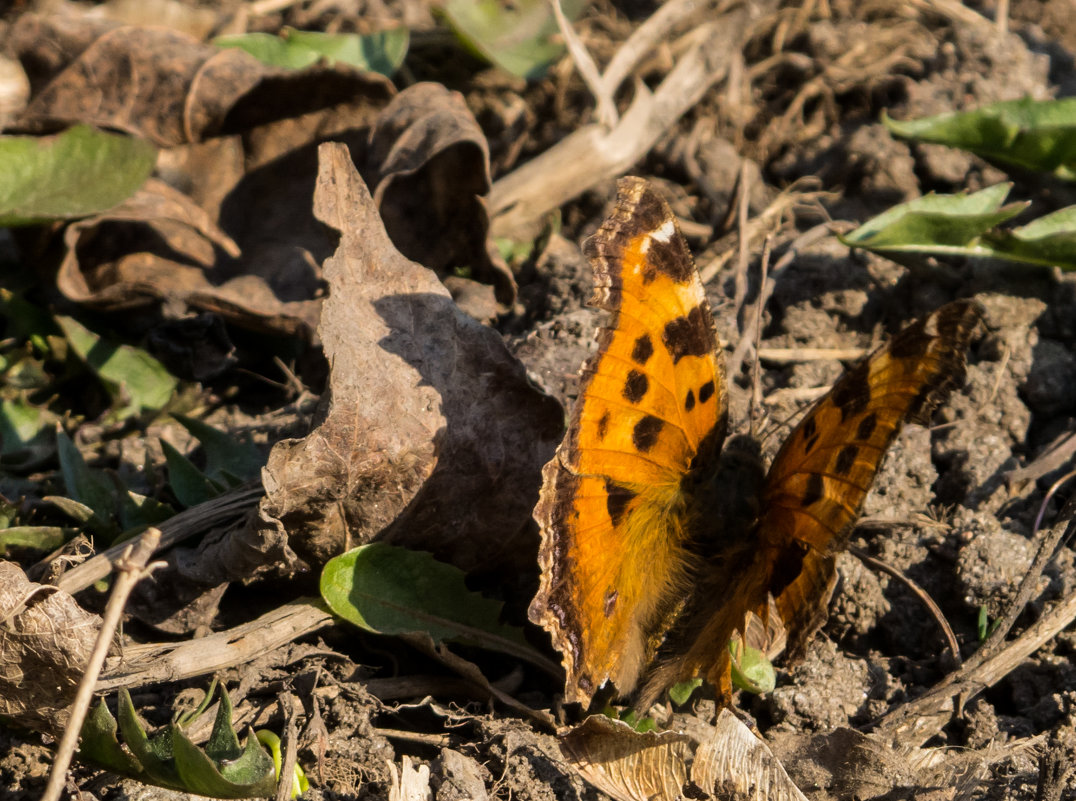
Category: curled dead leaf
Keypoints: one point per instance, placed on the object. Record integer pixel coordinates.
(429, 164)
(726, 761)
(45, 642)
(432, 436)
(163, 85)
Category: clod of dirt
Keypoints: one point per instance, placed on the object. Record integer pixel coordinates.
(825, 691)
(992, 562)
(1050, 388)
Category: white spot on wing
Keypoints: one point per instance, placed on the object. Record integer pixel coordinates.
(664, 232)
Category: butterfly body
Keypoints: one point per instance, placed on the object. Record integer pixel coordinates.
(656, 544)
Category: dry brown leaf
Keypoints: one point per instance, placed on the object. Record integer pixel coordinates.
(726, 761)
(432, 437)
(156, 221)
(163, 85)
(429, 164)
(45, 642)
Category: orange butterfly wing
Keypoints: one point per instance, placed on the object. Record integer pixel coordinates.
(821, 476)
(611, 509)
(817, 484)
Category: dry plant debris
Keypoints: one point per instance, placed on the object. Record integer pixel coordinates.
(375, 284)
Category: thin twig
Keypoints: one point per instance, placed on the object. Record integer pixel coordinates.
(287, 769)
(756, 365)
(743, 255)
(188, 523)
(157, 662)
(587, 69)
(131, 568)
(648, 36)
(436, 740)
(1002, 17)
(1057, 454)
(800, 355)
(919, 592)
(923, 717)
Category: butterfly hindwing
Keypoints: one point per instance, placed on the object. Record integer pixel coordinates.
(823, 471)
(611, 507)
(817, 484)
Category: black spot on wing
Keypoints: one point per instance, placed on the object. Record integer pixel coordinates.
(787, 567)
(603, 425)
(689, 401)
(690, 335)
(635, 387)
(816, 488)
(645, 433)
(866, 427)
(706, 391)
(846, 459)
(642, 350)
(617, 498)
(853, 392)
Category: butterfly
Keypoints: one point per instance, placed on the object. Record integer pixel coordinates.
(646, 573)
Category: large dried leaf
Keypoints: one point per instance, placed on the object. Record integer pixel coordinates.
(431, 163)
(433, 437)
(163, 85)
(45, 643)
(726, 761)
(164, 247)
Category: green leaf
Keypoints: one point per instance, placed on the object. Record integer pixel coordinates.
(38, 538)
(1038, 135)
(299, 782)
(153, 754)
(190, 486)
(966, 225)
(91, 488)
(138, 512)
(226, 455)
(389, 590)
(520, 37)
(73, 174)
(26, 433)
(381, 52)
(680, 692)
(132, 377)
(221, 769)
(98, 743)
(26, 320)
(950, 224)
(751, 670)
(1049, 240)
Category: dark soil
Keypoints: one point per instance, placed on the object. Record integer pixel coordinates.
(942, 511)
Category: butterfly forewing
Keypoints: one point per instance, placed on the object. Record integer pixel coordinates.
(611, 508)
